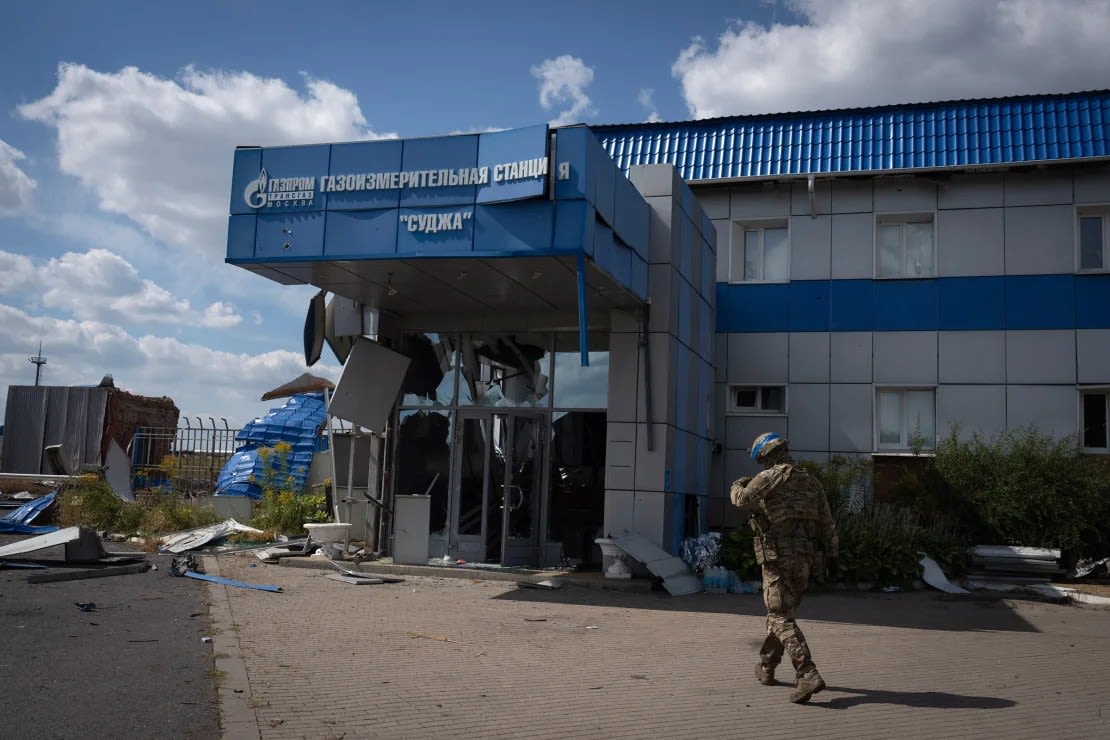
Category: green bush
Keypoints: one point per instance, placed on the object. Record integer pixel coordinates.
(284, 508)
(1031, 489)
(738, 554)
(882, 544)
(90, 502)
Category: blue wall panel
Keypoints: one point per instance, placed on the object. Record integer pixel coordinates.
(851, 304)
(289, 234)
(570, 147)
(603, 246)
(754, 307)
(297, 161)
(603, 176)
(969, 303)
(574, 226)
(520, 227)
(355, 234)
(905, 305)
(1092, 301)
(240, 236)
(365, 157)
(502, 147)
(809, 305)
(622, 256)
(1040, 301)
(419, 244)
(247, 165)
(450, 152)
(640, 278)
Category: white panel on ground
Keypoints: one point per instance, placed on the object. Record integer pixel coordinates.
(43, 541)
(369, 385)
(117, 471)
(677, 578)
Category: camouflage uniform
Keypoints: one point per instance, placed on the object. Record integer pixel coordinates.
(789, 512)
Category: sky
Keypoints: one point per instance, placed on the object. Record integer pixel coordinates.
(118, 121)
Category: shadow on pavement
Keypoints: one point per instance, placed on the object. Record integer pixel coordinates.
(924, 610)
(925, 699)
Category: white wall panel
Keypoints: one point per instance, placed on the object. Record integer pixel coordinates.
(808, 422)
(850, 417)
(906, 357)
(905, 194)
(758, 358)
(852, 196)
(822, 198)
(1040, 240)
(975, 408)
(810, 247)
(1040, 357)
(760, 200)
(1093, 355)
(809, 357)
(715, 201)
(850, 357)
(1053, 187)
(724, 234)
(1092, 185)
(852, 251)
(972, 356)
(1052, 409)
(971, 242)
(741, 430)
(971, 191)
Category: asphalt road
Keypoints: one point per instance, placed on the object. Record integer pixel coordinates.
(134, 667)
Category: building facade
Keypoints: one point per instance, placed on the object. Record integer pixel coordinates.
(599, 320)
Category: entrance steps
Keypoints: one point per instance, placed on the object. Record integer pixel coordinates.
(677, 578)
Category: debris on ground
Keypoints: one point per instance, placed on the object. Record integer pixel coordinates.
(702, 551)
(18, 521)
(1016, 565)
(86, 606)
(192, 539)
(1091, 568)
(77, 575)
(231, 582)
(934, 576)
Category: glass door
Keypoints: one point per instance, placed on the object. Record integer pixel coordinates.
(499, 480)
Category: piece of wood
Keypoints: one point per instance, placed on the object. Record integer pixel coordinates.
(77, 575)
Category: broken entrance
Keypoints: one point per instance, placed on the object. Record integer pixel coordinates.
(506, 433)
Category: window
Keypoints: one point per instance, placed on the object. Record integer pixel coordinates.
(1094, 238)
(760, 252)
(905, 418)
(905, 247)
(757, 399)
(1093, 416)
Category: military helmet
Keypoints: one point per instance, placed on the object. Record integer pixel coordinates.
(766, 443)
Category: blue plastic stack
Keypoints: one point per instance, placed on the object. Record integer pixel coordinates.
(297, 423)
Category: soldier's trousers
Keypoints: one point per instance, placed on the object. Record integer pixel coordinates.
(784, 582)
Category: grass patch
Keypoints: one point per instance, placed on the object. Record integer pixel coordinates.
(90, 502)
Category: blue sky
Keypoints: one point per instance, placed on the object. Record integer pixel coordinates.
(115, 169)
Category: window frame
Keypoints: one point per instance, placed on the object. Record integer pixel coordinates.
(737, 239)
(903, 445)
(1082, 391)
(902, 219)
(734, 409)
(1089, 210)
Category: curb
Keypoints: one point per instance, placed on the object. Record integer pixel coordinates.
(238, 719)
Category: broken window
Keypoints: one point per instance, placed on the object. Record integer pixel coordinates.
(505, 370)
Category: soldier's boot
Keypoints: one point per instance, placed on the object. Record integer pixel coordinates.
(765, 674)
(806, 686)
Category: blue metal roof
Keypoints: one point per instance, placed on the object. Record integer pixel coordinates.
(957, 134)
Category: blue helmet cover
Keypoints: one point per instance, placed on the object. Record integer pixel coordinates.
(758, 446)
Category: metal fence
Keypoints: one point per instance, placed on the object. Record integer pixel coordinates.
(186, 460)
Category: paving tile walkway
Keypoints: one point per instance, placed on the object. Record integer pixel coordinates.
(459, 658)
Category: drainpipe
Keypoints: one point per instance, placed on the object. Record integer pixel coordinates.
(583, 330)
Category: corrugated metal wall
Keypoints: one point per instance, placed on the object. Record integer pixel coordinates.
(926, 135)
(40, 416)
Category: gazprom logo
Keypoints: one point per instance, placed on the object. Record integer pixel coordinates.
(279, 192)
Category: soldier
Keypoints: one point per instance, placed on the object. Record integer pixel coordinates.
(788, 511)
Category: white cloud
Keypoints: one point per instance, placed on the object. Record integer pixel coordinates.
(563, 81)
(201, 381)
(646, 98)
(101, 286)
(850, 53)
(159, 151)
(15, 186)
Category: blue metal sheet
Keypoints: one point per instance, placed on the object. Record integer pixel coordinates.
(919, 136)
(970, 303)
(1092, 301)
(1040, 302)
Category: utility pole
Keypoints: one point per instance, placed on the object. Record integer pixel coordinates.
(38, 361)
